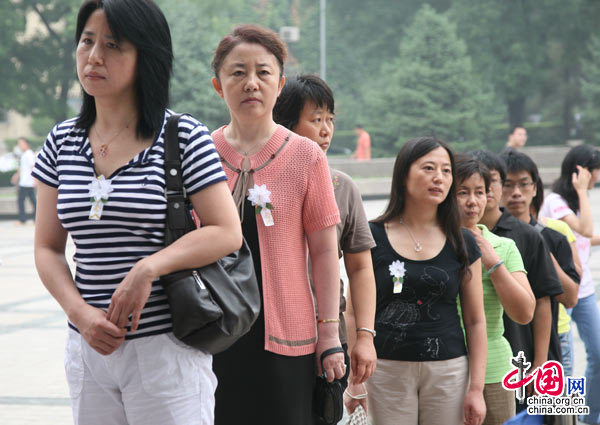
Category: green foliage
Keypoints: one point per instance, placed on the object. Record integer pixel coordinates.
(516, 58)
(427, 89)
(44, 60)
(11, 23)
(591, 90)
(5, 177)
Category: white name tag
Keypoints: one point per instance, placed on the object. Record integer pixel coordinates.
(96, 210)
(267, 217)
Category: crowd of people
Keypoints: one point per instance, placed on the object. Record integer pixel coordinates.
(468, 264)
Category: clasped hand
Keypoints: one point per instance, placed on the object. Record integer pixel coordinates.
(105, 331)
(131, 295)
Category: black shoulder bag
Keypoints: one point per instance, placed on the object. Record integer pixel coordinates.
(328, 397)
(211, 306)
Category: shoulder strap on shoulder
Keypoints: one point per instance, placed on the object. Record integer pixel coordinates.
(539, 227)
(172, 156)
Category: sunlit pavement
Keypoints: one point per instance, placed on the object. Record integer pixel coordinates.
(33, 389)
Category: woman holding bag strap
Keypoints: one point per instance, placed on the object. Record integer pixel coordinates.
(102, 181)
(280, 182)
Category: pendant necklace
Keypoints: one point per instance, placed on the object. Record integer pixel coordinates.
(417, 245)
(103, 151)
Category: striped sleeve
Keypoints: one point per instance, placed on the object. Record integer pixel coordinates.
(45, 169)
(200, 164)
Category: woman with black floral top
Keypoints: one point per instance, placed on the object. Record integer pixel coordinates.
(422, 261)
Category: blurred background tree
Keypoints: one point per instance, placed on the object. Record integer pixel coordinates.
(459, 69)
(428, 88)
(591, 90)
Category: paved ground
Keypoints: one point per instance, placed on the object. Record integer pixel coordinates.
(33, 390)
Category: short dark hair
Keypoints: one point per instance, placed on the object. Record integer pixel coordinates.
(492, 161)
(466, 166)
(142, 23)
(514, 127)
(517, 162)
(583, 155)
(448, 214)
(294, 95)
(358, 126)
(250, 34)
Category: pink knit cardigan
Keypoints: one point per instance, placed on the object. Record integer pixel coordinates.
(303, 200)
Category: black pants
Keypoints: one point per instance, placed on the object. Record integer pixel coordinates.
(25, 192)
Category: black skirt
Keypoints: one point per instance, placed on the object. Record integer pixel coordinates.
(256, 386)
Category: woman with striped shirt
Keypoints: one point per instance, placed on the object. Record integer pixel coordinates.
(102, 182)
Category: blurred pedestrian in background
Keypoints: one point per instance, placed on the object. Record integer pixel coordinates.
(363, 144)
(24, 180)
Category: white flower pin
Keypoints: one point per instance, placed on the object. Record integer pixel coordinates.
(260, 197)
(99, 191)
(397, 271)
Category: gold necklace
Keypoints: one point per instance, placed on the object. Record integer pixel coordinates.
(417, 245)
(103, 151)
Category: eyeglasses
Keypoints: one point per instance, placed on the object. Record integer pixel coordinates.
(510, 186)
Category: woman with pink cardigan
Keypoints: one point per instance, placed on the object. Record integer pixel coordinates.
(280, 182)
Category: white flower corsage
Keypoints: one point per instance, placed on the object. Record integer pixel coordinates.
(260, 197)
(397, 271)
(99, 191)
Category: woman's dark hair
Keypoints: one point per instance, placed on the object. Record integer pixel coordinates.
(492, 161)
(583, 155)
(466, 166)
(294, 95)
(250, 34)
(538, 199)
(447, 213)
(143, 24)
(517, 162)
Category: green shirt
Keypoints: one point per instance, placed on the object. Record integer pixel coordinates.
(499, 352)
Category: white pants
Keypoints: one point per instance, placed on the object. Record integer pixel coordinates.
(146, 381)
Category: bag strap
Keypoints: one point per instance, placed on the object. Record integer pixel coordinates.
(539, 227)
(329, 352)
(177, 224)
(173, 182)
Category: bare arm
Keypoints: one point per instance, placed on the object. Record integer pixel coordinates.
(513, 289)
(363, 358)
(570, 288)
(219, 235)
(471, 300)
(576, 259)
(595, 240)
(584, 224)
(322, 245)
(53, 269)
(542, 323)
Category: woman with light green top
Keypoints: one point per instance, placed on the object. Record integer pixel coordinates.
(505, 286)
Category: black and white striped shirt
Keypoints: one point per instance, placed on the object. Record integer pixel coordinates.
(133, 219)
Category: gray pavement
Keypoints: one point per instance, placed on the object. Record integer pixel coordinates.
(33, 389)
